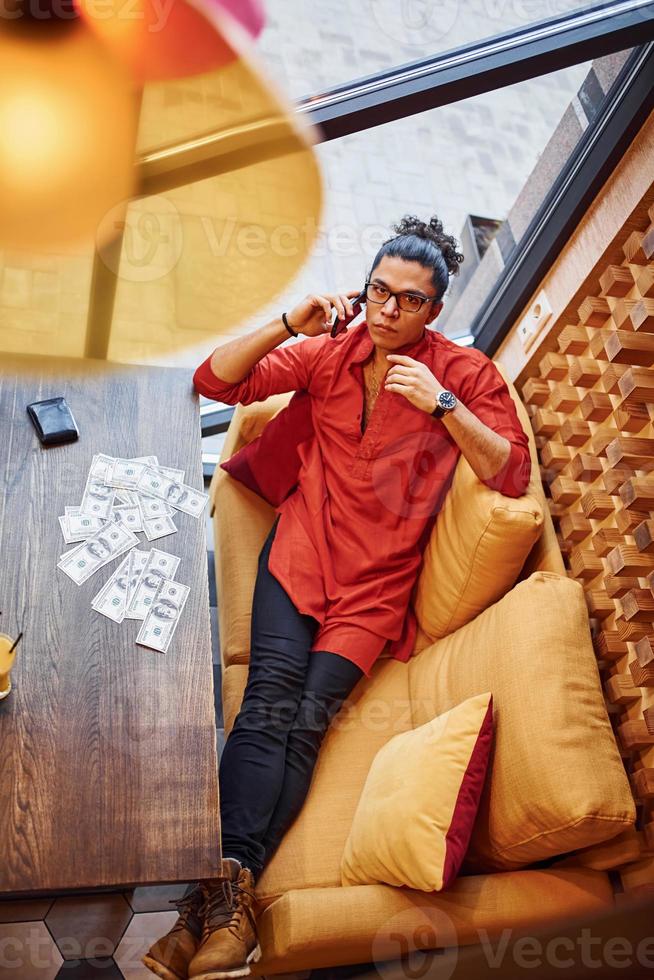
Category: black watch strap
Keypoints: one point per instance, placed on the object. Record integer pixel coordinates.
(438, 411)
(288, 326)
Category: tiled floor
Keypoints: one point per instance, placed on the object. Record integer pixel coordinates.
(84, 936)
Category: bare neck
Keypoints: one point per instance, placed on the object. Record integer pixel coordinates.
(379, 358)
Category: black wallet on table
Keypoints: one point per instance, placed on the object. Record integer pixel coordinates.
(53, 421)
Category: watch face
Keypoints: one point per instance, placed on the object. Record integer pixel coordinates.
(446, 399)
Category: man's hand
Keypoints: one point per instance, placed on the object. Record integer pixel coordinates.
(414, 380)
(312, 316)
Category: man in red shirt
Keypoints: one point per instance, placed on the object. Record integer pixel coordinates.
(393, 405)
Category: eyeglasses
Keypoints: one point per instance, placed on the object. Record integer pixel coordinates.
(408, 302)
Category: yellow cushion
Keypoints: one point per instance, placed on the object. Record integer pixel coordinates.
(478, 545)
(415, 814)
(241, 525)
(556, 781)
(241, 522)
(309, 928)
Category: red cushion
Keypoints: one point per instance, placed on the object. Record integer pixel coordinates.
(270, 464)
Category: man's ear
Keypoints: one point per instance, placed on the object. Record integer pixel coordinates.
(435, 310)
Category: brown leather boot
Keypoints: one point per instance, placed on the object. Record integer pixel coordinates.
(170, 956)
(229, 938)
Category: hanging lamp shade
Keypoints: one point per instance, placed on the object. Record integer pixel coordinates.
(170, 40)
(68, 120)
(214, 216)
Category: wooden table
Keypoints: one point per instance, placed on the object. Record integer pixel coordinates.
(108, 749)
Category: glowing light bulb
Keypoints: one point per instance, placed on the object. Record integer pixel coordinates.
(68, 116)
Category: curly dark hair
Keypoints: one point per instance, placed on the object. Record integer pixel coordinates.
(424, 242)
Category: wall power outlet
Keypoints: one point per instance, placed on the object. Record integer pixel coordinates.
(532, 323)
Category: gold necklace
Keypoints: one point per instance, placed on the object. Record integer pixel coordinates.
(372, 392)
(375, 382)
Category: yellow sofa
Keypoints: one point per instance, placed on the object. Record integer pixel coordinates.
(537, 852)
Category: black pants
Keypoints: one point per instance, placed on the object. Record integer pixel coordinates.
(290, 698)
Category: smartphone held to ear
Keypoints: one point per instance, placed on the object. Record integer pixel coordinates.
(338, 326)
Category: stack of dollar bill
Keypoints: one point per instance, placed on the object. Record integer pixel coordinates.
(121, 498)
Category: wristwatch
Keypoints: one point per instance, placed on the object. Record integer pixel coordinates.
(446, 401)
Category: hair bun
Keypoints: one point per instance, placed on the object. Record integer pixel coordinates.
(432, 231)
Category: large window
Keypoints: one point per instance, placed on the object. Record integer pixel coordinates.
(312, 48)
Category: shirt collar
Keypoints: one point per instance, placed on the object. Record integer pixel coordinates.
(365, 345)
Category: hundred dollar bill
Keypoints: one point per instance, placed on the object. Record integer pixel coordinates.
(113, 597)
(70, 538)
(163, 616)
(159, 527)
(148, 510)
(98, 497)
(79, 525)
(172, 474)
(129, 497)
(153, 507)
(125, 473)
(176, 475)
(128, 515)
(64, 529)
(124, 477)
(81, 530)
(82, 521)
(149, 460)
(108, 543)
(102, 464)
(139, 560)
(111, 600)
(178, 495)
(160, 565)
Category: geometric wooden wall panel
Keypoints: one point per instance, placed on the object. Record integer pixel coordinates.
(591, 407)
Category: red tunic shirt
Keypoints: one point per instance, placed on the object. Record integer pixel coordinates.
(349, 542)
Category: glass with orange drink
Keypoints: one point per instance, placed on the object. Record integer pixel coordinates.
(7, 657)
